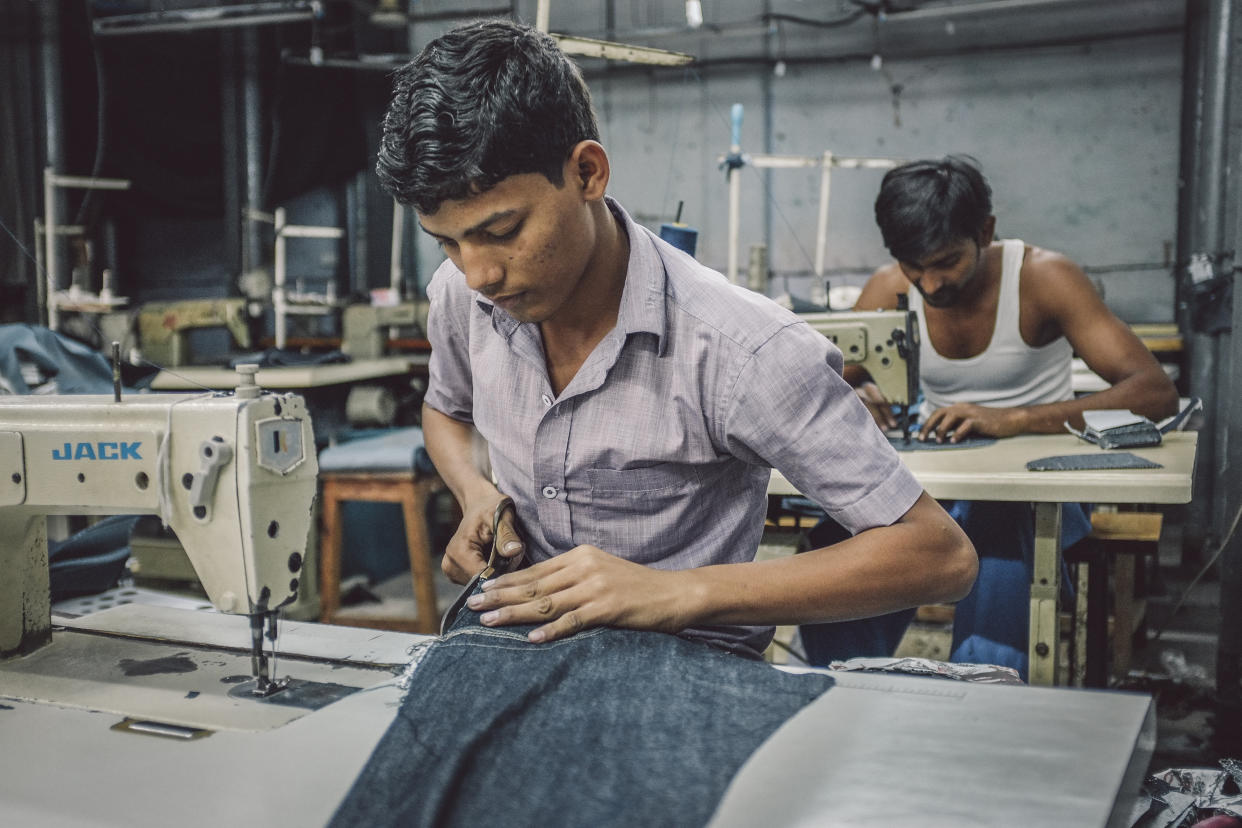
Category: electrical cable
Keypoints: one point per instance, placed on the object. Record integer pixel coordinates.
(789, 649)
(1195, 580)
(777, 17)
(672, 154)
(100, 115)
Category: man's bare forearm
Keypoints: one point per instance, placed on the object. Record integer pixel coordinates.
(924, 558)
(450, 443)
(1151, 395)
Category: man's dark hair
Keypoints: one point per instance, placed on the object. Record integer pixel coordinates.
(923, 206)
(480, 103)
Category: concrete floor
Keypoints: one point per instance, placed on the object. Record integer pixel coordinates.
(1177, 661)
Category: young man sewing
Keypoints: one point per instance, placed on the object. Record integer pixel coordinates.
(632, 400)
(999, 323)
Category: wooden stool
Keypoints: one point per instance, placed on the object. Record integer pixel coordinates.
(1118, 541)
(412, 491)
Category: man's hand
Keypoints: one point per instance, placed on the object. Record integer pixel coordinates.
(960, 420)
(879, 406)
(467, 551)
(585, 587)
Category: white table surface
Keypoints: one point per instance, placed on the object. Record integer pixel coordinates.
(195, 377)
(998, 472)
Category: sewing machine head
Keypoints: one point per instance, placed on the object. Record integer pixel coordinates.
(885, 343)
(233, 475)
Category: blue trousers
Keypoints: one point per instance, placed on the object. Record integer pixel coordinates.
(608, 727)
(990, 625)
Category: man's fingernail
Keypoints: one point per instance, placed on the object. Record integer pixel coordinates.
(537, 635)
(513, 546)
(474, 601)
(489, 617)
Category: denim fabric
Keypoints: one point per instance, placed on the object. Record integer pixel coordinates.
(609, 727)
(990, 625)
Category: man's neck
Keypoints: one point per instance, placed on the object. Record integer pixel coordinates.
(591, 310)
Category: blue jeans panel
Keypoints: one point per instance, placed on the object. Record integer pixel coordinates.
(609, 727)
(992, 624)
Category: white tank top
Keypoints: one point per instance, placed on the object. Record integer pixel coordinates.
(1009, 373)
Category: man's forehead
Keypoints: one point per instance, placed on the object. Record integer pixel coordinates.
(953, 248)
(459, 216)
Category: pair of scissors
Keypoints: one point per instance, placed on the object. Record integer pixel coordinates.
(496, 564)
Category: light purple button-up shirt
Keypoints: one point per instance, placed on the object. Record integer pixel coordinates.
(660, 448)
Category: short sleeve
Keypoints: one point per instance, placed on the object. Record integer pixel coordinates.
(791, 409)
(450, 387)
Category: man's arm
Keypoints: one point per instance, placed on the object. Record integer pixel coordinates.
(922, 558)
(1068, 305)
(450, 442)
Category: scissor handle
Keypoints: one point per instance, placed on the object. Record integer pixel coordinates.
(495, 559)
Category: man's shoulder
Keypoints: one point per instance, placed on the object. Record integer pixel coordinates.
(882, 288)
(705, 298)
(1050, 270)
(1042, 260)
(448, 290)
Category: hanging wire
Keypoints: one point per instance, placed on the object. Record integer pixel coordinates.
(1195, 580)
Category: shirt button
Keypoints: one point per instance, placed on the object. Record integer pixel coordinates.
(547, 400)
(549, 492)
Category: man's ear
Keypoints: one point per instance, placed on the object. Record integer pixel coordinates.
(988, 232)
(588, 170)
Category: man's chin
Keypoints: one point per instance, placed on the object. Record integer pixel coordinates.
(942, 301)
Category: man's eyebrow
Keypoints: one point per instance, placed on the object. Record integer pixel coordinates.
(470, 231)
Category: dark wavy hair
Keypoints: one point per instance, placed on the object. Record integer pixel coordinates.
(923, 206)
(480, 103)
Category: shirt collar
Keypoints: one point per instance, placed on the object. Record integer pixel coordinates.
(642, 298)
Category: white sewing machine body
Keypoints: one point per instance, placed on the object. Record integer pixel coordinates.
(884, 342)
(232, 475)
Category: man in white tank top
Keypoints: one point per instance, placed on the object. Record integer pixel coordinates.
(999, 322)
(999, 319)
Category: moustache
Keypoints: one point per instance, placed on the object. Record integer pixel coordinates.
(942, 298)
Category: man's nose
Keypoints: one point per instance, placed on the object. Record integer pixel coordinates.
(931, 280)
(482, 270)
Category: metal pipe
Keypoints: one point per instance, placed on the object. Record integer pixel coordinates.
(252, 129)
(51, 241)
(1229, 502)
(735, 190)
(821, 224)
(233, 226)
(54, 149)
(394, 265)
(216, 17)
(279, 308)
(1195, 239)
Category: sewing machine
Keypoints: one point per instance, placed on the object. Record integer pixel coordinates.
(366, 328)
(164, 327)
(885, 344)
(233, 475)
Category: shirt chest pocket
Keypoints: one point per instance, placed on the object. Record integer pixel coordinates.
(644, 514)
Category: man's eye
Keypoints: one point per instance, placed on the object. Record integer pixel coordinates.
(507, 234)
(446, 244)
